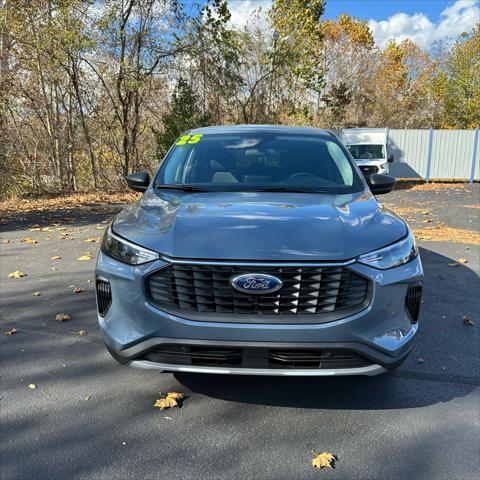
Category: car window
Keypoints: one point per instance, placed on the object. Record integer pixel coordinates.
(255, 161)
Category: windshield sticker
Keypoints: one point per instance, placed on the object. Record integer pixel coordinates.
(190, 139)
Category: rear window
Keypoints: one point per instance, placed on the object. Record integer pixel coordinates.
(255, 161)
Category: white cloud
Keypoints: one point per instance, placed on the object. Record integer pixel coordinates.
(243, 10)
(454, 20)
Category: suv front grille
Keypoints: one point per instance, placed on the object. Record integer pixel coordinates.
(368, 169)
(206, 289)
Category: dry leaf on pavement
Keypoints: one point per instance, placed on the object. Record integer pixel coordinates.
(170, 401)
(36, 294)
(17, 274)
(56, 257)
(11, 332)
(462, 260)
(468, 321)
(28, 240)
(63, 317)
(32, 386)
(85, 257)
(92, 239)
(78, 290)
(324, 460)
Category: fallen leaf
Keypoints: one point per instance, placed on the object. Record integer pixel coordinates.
(92, 239)
(36, 294)
(78, 290)
(453, 264)
(324, 460)
(85, 257)
(466, 320)
(462, 260)
(7, 240)
(62, 317)
(82, 333)
(28, 240)
(11, 332)
(88, 397)
(35, 229)
(17, 274)
(32, 386)
(420, 360)
(170, 401)
(61, 229)
(175, 395)
(46, 229)
(56, 257)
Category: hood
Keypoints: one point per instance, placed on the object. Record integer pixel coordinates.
(259, 226)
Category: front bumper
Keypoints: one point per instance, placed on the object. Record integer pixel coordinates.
(382, 332)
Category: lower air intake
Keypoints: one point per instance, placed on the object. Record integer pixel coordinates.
(104, 296)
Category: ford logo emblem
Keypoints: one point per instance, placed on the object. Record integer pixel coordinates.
(256, 283)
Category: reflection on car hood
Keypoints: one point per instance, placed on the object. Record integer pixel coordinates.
(259, 225)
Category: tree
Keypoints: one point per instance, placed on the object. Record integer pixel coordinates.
(185, 113)
(462, 82)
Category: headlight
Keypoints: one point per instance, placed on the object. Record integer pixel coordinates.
(384, 166)
(392, 256)
(125, 251)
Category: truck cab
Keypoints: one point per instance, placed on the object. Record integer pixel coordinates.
(369, 150)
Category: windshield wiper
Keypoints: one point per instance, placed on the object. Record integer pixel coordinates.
(292, 189)
(187, 188)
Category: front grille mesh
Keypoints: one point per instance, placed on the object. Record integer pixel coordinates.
(305, 290)
(368, 169)
(256, 357)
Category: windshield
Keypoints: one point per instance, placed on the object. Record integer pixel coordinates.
(367, 152)
(259, 161)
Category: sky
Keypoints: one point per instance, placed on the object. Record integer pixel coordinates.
(424, 21)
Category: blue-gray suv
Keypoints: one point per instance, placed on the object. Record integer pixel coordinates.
(259, 250)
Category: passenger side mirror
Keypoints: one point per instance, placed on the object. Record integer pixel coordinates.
(380, 184)
(138, 181)
(390, 158)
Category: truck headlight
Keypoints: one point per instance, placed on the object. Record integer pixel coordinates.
(125, 251)
(394, 255)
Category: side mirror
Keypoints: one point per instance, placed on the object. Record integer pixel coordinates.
(138, 181)
(390, 158)
(380, 184)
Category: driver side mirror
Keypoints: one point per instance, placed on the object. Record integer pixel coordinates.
(380, 184)
(390, 158)
(138, 181)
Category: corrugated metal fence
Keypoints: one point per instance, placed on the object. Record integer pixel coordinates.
(431, 154)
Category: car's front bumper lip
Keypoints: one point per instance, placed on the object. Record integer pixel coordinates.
(285, 372)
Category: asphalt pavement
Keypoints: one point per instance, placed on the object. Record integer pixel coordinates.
(90, 418)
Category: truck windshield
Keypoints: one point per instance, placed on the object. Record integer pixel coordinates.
(258, 161)
(367, 152)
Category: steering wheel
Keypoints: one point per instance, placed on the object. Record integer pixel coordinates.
(302, 174)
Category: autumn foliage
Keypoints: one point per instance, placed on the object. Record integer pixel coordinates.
(90, 91)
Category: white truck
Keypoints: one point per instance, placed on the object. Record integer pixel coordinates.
(368, 147)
